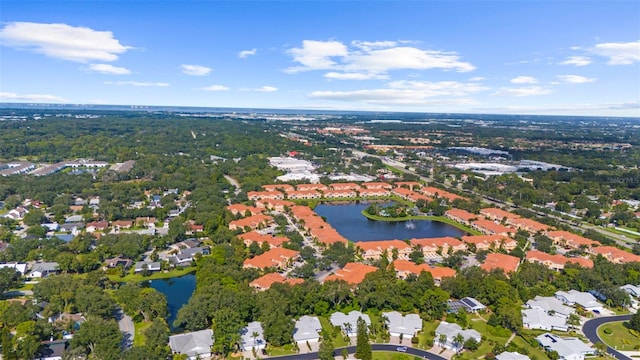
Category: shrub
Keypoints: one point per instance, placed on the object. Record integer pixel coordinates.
(608, 331)
(415, 340)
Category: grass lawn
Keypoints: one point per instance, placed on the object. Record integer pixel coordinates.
(425, 335)
(620, 338)
(338, 340)
(282, 350)
(139, 339)
(388, 355)
(533, 351)
(154, 276)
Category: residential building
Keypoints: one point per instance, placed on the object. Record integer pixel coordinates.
(21, 268)
(272, 204)
(469, 304)
(438, 247)
(304, 195)
(613, 254)
(490, 242)
(265, 281)
(344, 186)
(252, 337)
(374, 192)
(412, 185)
(306, 330)
(278, 258)
(556, 262)
(278, 187)
(255, 236)
(490, 227)
(583, 299)
(147, 265)
(349, 322)
(352, 273)
(340, 194)
(511, 356)
(539, 319)
(97, 226)
(195, 345)
(404, 268)
(550, 305)
(402, 326)
(569, 240)
(439, 193)
(461, 216)
(373, 250)
(566, 348)
(118, 261)
(529, 225)
(51, 350)
(43, 269)
(509, 264)
(633, 290)
(376, 185)
(497, 214)
(451, 331)
(259, 195)
(251, 222)
(186, 256)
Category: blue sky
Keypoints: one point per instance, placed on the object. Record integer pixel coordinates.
(537, 57)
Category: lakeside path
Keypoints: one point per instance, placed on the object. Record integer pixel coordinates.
(441, 219)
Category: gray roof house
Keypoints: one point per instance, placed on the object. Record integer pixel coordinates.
(539, 319)
(632, 290)
(349, 322)
(468, 303)
(405, 326)
(51, 350)
(584, 299)
(552, 305)
(193, 344)
(250, 342)
(21, 268)
(306, 329)
(511, 356)
(451, 330)
(567, 348)
(43, 269)
(151, 266)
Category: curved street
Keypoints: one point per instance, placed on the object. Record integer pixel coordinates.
(375, 347)
(590, 329)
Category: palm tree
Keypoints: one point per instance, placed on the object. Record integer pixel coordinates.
(255, 336)
(458, 340)
(442, 339)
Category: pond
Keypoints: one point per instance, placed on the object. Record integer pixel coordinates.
(348, 220)
(178, 290)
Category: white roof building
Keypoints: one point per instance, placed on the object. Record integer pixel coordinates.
(306, 329)
(405, 326)
(451, 330)
(252, 337)
(196, 344)
(584, 299)
(632, 290)
(349, 322)
(511, 356)
(551, 305)
(21, 268)
(567, 348)
(539, 319)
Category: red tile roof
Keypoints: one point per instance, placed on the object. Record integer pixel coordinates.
(556, 261)
(507, 263)
(277, 257)
(460, 214)
(498, 214)
(353, 273)
(264, 282)
(437, 272)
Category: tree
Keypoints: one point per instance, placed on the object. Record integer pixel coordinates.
(363, 347)
(442, 340)
(326, 350)
(634, 323)
(9, 279)
(157, 338)
(458, 342)
(100, 338)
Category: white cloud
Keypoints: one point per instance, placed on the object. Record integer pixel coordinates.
(316, 55)
(575, 79)
(195, 70)
(523, 91)
(353, 76)
(7, 96)
(524, 80)
(62, 41)
(109, 69)
(137, 83)
(266, 89)
(410, 93)
(246, 53)
(577, 61)
(619, 53)
(478, 78)
(371, 58)
(216, 88)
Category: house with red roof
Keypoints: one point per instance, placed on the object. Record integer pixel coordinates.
(254, 236)
(251, 222)
(497, 214)
(507, 263)
(613, 254)
(529, 225)
(353, 273)
(265, 281)
(258, 195)
(404, 268)
(556, 262)
(570, 240)
(490, 227)
(373, 250)
(490, 242)
(279, 258)
(436, 247)
(460, 216)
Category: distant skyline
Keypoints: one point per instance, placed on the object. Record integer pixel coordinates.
(509, 57)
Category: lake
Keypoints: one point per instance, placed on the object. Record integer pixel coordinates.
(348, 220)
(178, 290)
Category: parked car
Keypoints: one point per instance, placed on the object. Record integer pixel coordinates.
(401, 349)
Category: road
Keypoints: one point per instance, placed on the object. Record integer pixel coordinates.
(126, 328)
(590, 329)
(619, 239)
(374, 347)
(235, 184)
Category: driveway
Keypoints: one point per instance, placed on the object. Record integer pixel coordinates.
(126, 328)
(590, 329)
